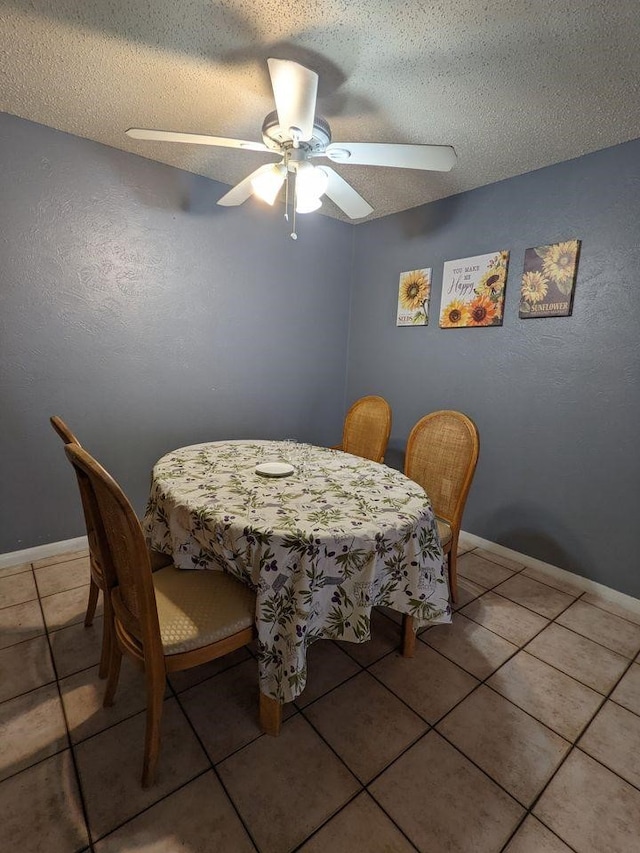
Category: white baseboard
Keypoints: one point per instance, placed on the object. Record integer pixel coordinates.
(552, 571)
(41, 552)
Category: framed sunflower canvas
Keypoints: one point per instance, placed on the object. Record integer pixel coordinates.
(473, 291)
(414, 291)
(549, 280)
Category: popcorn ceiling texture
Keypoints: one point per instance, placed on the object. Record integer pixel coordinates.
(512, 85)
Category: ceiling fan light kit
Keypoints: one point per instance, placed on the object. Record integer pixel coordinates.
(296, 134)
(268, 184)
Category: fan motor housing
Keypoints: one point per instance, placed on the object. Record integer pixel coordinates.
(278, 138)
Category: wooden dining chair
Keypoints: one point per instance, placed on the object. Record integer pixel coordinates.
(442, 454)
(98, 583)
(97, 580)
(367, 428)
(168, 620)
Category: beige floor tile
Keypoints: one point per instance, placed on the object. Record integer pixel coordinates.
(505, 617)
(198, 817)
(20, 622)
(286, 787)
(360, 826)
(385, 636)
(224, 709)
(627, 693)
(467, 592)
(515, 750)
(82, 695)
(76, 647)
(190, 677)
(471, 646)
(564, 584)
(605, 628)
(536, 596)
(62, 576)
(485, 573)
(591, 808)
(630, 611)
(578, 657)
(110, 767)
(32, 727)
(327, 667)
(17, 589)
(427, 682)
(613, 739)
(41, 809)
(24, 667)
(67, 608)
(441, 801)
(352, 717)
(61, 558)
(507, 562)
(552, 697)
(534, 837)
(18, 568)
(465, 544)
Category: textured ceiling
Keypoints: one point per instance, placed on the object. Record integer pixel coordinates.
(513, 85)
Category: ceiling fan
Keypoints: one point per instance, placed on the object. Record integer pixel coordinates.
(297, 135)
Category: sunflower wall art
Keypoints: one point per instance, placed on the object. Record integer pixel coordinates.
(548, 280)
(414, 291)
(473, 291)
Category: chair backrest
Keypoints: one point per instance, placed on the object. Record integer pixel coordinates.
(63, 430)
(442, 453)
(122, 549)
(367, 428)
(69, 438)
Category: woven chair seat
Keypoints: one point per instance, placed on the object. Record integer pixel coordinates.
(196, 608)
(444, 531)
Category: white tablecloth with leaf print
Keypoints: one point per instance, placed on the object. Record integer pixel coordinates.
(320, 546)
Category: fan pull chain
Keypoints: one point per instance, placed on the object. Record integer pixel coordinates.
(294, 236)
(286, 187)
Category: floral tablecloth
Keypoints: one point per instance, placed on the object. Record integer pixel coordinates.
(320, 546)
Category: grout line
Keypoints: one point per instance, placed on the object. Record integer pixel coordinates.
(76, 769)
(216, 773)
(151, 805)
(606, 766)
(364, 668)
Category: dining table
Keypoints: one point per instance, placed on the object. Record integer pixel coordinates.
(321, 535)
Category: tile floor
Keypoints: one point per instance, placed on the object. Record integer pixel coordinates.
(515, 729)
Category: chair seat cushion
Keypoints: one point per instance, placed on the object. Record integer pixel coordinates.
(444, 531)
(196, 608)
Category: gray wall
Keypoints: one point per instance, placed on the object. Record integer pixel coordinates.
(556, 400)
(149, 318)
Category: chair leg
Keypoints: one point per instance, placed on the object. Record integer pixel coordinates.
(452, 565)
(107, 637)
(270, 715)
(113, 675)
(408, 636)
(94, 591)
(155, 702)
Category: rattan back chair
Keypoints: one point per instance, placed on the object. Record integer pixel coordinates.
(367, 428)
(168, 620)
(97, 580)
(442, 454)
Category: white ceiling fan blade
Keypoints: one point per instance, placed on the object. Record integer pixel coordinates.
(244, 189)
(295, 89)
(432, 158)
(344, 195)
(193, 139)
